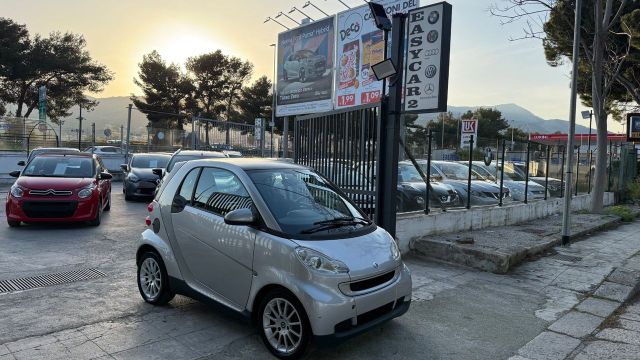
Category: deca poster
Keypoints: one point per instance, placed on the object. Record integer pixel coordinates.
(359, 45)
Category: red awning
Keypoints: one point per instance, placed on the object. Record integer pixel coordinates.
(552, 139)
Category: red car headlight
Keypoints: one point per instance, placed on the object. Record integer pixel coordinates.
(17, 191)
(86, 191)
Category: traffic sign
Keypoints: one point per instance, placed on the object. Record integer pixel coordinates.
(107, 132)
(42, 127)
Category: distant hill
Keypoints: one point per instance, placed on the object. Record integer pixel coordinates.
(521, 118)
(112, 112)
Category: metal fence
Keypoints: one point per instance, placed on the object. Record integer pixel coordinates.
(341, 145)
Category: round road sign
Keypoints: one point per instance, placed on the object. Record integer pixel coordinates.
(107, 132)
(160, 135)
(42, 127)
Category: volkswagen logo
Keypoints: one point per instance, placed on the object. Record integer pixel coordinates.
(430, 71)
(375, 265)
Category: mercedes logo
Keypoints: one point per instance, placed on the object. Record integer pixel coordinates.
(429, 89)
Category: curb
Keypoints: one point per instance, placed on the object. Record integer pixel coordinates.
(497, 261)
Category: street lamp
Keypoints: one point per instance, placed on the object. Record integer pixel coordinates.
(269, 18)
(300, 11)
(273, 97)
(309, 3)
(288, 17)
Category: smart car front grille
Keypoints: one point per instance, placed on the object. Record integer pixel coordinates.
(50, 192)
(372, 282)
(49, 209)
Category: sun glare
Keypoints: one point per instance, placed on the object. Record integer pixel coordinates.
(177, 48)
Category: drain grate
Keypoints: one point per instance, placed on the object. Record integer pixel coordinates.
(564, 257)
(39, 281)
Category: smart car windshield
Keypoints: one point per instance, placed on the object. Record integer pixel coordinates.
(302, 202)
(59, 166)
(149, 161)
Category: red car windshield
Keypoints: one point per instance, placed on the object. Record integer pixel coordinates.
(68, 167)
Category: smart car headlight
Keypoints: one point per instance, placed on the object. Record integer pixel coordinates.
(395, 251)
(320, 262)
(85, 192)
(17, 191)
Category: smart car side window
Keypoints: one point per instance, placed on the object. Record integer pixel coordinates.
(220, 191)
(188, 184)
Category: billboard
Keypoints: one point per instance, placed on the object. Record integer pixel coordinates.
(305, 69)
(427, 64)
(359, 45)
(633, 127)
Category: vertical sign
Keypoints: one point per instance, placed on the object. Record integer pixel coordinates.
(633, 127)
(305, 69)
(360, 44)
(469, 127)
(258, 131)
(42, 103)
(427, 64)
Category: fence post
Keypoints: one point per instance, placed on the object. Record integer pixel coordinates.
(526, 176)
(562, 172)
(610, 166)
(427, 194)
(590, 163)
(470, 171)
(621, 166)
(504, 145)
(546, 172)
(577, 169)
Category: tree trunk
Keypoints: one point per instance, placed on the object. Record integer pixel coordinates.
(600, 176)
(598, 104)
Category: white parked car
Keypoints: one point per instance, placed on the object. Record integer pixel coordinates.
(104, 150)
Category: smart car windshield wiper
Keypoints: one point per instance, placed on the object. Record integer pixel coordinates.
(335, 223)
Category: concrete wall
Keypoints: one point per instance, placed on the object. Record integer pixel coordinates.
(414, 225)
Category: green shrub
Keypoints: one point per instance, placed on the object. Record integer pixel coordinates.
(634, 189)
(622, 211)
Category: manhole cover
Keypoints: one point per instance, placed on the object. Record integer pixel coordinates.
(39, 281)
(564, 257)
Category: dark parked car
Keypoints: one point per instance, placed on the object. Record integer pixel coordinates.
(304, 64)
(139, 179)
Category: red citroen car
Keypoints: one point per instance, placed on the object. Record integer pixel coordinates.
(60, 188)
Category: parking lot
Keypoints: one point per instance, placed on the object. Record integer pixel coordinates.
(456, 312)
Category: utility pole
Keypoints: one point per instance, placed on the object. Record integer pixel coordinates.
(566, 216)
(60, 123)
(126, 156)
(285, 137)
(93, 134)
(80, 128)
(193, 132)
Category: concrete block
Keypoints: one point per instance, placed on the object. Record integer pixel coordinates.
(620, 335)
(629, 277)
(600, 350)
(599, 307)
(577, 324)
(549, 346)
(613, 291)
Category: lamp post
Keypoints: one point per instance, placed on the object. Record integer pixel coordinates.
(309, 3)
(273, 96)
(269, 18)
(288, 17)
(293, 9)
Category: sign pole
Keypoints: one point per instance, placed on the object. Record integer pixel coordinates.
(390, 128)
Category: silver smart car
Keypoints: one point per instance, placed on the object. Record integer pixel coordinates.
(276, 242)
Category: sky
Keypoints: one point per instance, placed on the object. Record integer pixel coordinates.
(486, 67)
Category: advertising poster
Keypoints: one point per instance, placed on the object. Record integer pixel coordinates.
(427, 63)
(633, 127)
(359, 45)
(469, 128)
(305, 69)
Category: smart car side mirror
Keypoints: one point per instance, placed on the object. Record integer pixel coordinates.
(105, 176)
(240, 217)
(15, 173)
(21, 163)
(178, 204)
(124, 167)
(158, 172)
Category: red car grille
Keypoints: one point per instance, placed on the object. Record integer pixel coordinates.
(49, 209)
(50, 192)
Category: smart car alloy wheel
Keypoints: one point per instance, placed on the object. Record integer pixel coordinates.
(284, 327)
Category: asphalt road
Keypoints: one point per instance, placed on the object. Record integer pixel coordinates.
(457, 313)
